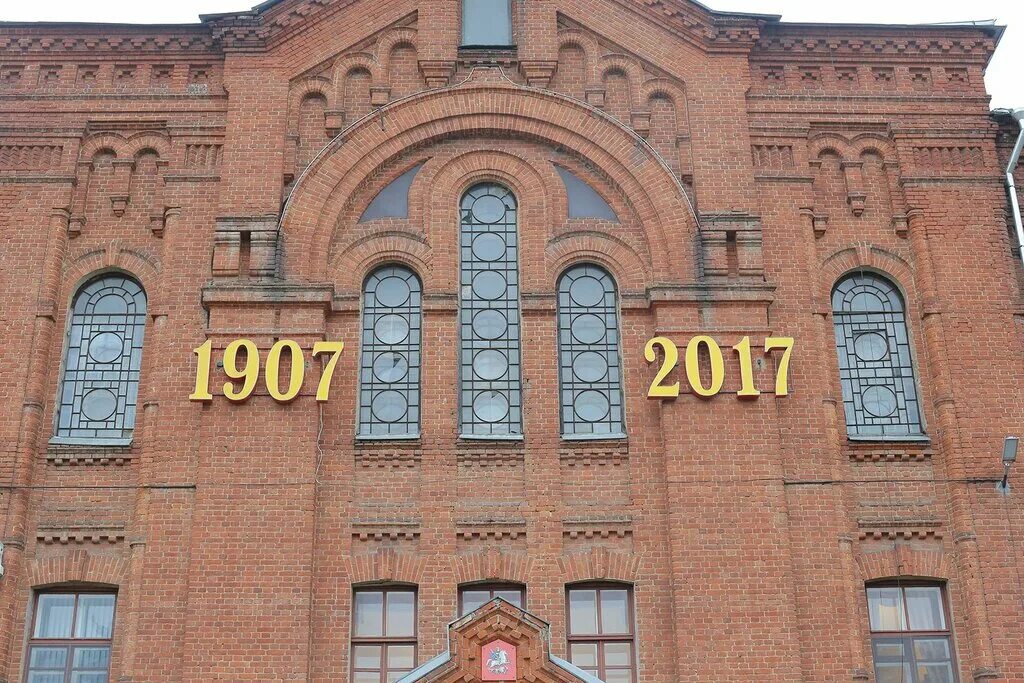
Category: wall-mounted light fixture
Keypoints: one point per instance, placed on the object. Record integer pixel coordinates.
(1009, 457)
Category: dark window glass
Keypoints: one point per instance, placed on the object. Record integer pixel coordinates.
(588, 354)
(71, 638)
(584, 201)
(103, 356)
(389, 369)
(876, 366)
(601, 635)
(383, 635)
(490, 405)
(393, 200)
(486, 23)
(472, 598)
(911, 639)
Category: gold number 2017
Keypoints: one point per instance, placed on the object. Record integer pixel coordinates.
(661, 390)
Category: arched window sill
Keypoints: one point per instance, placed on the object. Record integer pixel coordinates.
(89, 442)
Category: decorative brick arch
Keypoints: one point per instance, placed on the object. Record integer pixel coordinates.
(903, 561)
(360, 61)
(79, 566)
(147, 140)
(489, 106)
(115, 257)
(396, 37)
(385, 566)
(311, 86)
(599, 564)
(572, 37)
(492, 565)
(865, 256)
(597, 244)
(390, 244)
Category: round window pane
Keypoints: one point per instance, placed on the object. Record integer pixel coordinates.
(390, 367)
(392, 292)
(490, 406)
(391, 329)
(592, 406)
(488, 209)
(871, 346)
(489, 247)
(879, 401)
(489, 285)
(587, 291)
(588, 329)
(105, 347)
(111, 304)
(389, 406)
(590, 367)
(99, 404)
(490, 365)
(490, 324)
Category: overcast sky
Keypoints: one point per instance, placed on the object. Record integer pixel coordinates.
(1005, 80)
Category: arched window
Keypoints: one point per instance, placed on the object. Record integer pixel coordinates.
(491, 401)
(588, 354)
(876, 365)
(389, 368)
(103, 356)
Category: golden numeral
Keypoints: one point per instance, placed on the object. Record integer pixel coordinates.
(248, 375)
(323, 391)
(747, 388)
(272, 373)
(693, 366)
(658, 388)
(202, 392)
(782, 378)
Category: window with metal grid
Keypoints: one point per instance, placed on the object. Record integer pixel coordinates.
(103, 357)
(876, 365)
(588, 354)
(490, 405)
(389, 368)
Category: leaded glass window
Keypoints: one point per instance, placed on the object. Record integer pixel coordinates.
(102, 360)
(876, 366)
(491, 394)
(588, 354)
(389, 369)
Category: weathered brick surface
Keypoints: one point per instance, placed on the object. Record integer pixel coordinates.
(226, 165)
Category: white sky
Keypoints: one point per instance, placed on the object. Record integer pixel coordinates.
(1005, 78)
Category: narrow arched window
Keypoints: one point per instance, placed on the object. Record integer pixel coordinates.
(491, 401)
(588, 354)
(389, 369)
(102, 359)
(876, 365)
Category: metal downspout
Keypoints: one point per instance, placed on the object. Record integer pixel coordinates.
(1011, 185)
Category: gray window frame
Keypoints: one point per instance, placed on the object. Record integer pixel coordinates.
(81, 373)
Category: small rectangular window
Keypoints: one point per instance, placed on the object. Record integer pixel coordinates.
(911, 640)
(472, 598)
(71, 637)
(486, 23)
(383, 634)
(601, 637)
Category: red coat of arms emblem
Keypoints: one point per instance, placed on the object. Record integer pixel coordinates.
(499, 661)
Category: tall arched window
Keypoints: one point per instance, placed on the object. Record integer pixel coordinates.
(389, 368)
(876, 365)
(491, 403)
(102, 359)
(588, 354)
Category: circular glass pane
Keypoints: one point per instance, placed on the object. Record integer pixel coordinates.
(392, 291)
(105, 347)
(99, 404)
(490, 406)
(389, 406)
(879, 401)
(489, 324)
(489, 285)
(489, 247)
(587, 291)
(111, 304)
(590, 367)
(588, 329)
(591, 406)
(391, 329)
(871, 346)
(488, 209)
(490, 365)
(390, 367)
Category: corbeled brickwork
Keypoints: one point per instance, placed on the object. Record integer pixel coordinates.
(725, 170)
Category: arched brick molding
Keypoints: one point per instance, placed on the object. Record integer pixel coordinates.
(115, 256)
(572, 37)
(388, 245)
(489, 107)
(865, 256)
(598, 244)
(492, 565)
(355, 62)
(78, 566)
(147, 140)
(599, 564)
(313, 86)
(903, 561)
(392, 39)
(387, 565)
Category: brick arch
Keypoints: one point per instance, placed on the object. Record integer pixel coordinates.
(387, 565)
(632, 71)
(78, 566)
(115, 257)
(576, 38)
(312, 86)
(492, 564)
(396, 37)
(489, 106)
(599, 564)
(351, 266)
(825, 143)
(868, 142)
(140, 142)
(100, 142)
(865, 256)
(903, 561)
(346, 65)
(602, 247)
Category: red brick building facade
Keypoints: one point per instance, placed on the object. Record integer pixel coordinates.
(496, 213)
